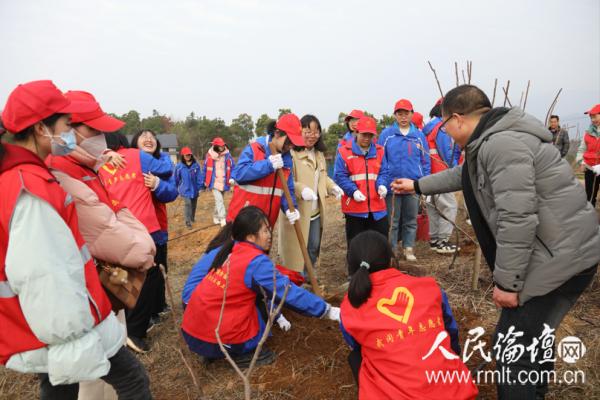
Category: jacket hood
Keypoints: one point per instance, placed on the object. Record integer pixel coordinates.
(17, 155)
(430, 125)
(215, 156)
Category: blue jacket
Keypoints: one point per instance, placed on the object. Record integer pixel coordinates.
(407, 156)
(247, 170)
(198, 272)
(341, 175)
(189, 179)
(161, 167)
(165, 192)
(447, 149)
(449, 324)
(228, 158)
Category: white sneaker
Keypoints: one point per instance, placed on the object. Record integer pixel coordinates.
(223, 222)
(216, 221)
(409, 254)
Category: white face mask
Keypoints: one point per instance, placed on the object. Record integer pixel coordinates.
(95, 147)
(65, 145)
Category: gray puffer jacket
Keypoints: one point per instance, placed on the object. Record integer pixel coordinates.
(545, 230)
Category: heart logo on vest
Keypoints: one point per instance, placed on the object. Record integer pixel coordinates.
(401, 299)
(110, 169)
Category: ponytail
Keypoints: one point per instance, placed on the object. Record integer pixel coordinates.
(222, 255)
(363, 260)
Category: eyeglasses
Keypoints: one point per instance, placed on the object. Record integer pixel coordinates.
(312, 132)
(445, 122)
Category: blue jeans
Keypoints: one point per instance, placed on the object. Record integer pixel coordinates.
(405, 209)
(314, 239)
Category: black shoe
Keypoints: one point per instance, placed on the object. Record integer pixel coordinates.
(189, 225)
(265, 357)
(433, 245)
(154, 321)
(165, 310)
(445, 247)
(137, 344)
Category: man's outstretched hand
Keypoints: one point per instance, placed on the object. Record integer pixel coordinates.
(403, 186)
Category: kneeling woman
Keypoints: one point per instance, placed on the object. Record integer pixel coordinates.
(400, 328)
(243, 261)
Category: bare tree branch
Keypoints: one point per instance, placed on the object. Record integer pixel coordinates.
(506, 93)
(456, 73)
(436, 79)
(494, 96)
(551, 109)
(526, 95)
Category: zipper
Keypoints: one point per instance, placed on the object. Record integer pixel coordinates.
(368, 192)
(544, 245)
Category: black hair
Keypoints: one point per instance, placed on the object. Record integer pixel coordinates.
(555, 116)
(24, 134)
(134, 141)
(272, 130)
(436, 111)
(465, 99)
(305, 123)
(248, 222)
(116, 140)
(182, 159)
(368, 247)
(221, 237)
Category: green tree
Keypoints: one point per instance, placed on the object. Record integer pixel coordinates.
(283, 111)
(242, 127)
(261, 124)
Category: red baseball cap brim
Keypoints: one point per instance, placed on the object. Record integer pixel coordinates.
(297, 140)
(105, 123)
(218, 142)
(594, 110)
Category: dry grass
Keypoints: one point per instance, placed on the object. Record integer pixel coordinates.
(311, 362)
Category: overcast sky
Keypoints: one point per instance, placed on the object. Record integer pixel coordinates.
(225, 57)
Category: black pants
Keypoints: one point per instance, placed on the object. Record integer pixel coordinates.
(355, 361)
(152, 297)
(592, 181)
(530, 318)
(356, 225)
(126, 375)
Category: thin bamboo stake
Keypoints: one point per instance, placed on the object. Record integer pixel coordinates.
(506, 93)
(469, 70)
(436, 79)
(463, 76)
(476, 268)
(551, 109)
(494, 96)
(526, 95)
(521, 100)
(456, 73)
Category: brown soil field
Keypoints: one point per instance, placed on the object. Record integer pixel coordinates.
(311, 357)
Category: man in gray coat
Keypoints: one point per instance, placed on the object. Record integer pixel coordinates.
(537, 232)
(560, 136)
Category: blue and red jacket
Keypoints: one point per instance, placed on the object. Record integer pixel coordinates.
(257, 182)
(407, 156)
(396, 329)
(189, 179)
(443, 151)
(209, 176)
(249, 269)
(356, 171)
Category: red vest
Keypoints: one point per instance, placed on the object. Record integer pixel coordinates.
(264, 193)
(363, 172)
(21, 171)
(210, 163)
(437, 164)
(126, 189)
(240, 318)
(71, 167)
(591, 156)
(396, 327)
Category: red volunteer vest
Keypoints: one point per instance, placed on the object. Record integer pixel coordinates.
(126, 189)
(71, 167)
(161, 214)
(33, 177)
(363, 172)
(437, 164)
(240, 319)
(210, 165)
(396, 327)
(264, 193)
(591, 156)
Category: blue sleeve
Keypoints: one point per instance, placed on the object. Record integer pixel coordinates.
(178, 174)
(450, 323)
(425, 160)
(260, 273)
(347, 337)
(342, 178)
(384, 173)
(248, 170)
(162, 167)
(166, 191)
(381, 140)
(200, 178)
(198, 272)
(456, 156)
(290, 184)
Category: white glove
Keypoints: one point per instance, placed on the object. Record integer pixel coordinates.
(358, 196)
(292, 216)
(333, 314)
(596, 169)
(308, 194)
(283, 323)
(276, 161)
(231, 182)
(337, 192)
(382, 191)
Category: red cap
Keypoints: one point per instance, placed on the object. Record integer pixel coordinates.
(185, 151)
(354, 114)
(290, 124)
(439, 101)
(367, 125)
(30, 103)
(218, 142)
(97, 118)
(403, 104)
(594, 110)
(417, 119)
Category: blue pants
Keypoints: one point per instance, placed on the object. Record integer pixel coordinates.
(405, 212)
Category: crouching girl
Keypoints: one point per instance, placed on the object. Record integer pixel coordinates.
(243, 265)
(400, 328)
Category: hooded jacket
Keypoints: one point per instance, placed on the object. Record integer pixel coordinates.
(544, 228)
(407, 156)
